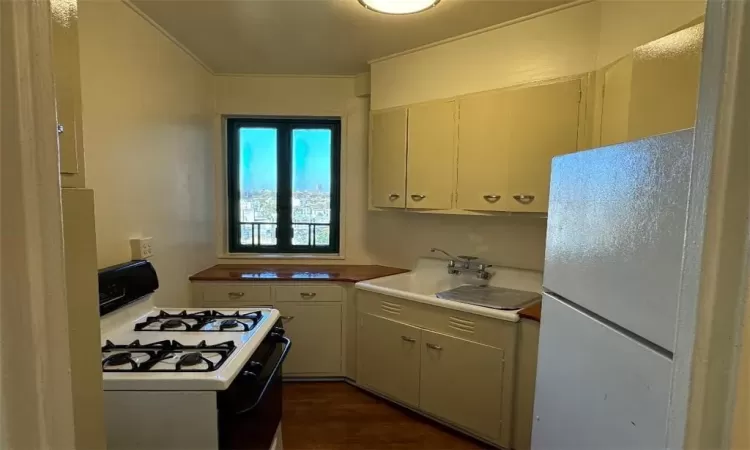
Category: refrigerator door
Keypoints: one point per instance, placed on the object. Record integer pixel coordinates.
(615, 232)
(596, 388)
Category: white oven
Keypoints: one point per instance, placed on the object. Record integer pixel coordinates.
(187, 379)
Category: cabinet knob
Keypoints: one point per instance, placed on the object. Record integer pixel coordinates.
(307, 295)
(60, 128)
(408, 339)
(417, 197)
(393, 197)
(287, 318)
(433, 346)
(491, 198)
(236, 294)
(524, 199)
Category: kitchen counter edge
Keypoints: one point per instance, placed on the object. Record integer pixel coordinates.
(294, 272)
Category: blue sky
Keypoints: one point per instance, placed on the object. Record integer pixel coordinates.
(311, 150)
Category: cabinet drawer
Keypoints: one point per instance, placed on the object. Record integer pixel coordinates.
(494, 332)
(236, 295)
(297, 293)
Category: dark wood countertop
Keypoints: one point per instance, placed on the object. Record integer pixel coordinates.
(533, 312)
(293, 272)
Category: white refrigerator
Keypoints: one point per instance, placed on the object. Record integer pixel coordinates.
(611, 281)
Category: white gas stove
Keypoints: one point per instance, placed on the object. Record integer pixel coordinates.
(166, 349)
(179, 379)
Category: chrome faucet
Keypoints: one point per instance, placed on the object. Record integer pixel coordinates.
(466, 264)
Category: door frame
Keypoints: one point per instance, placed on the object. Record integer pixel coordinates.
(715, 253)
(36, 393)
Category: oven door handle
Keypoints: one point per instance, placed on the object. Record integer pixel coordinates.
(288, 345)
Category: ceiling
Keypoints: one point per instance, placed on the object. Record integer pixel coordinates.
(317, 37)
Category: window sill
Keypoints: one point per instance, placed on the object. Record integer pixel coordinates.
(290, 256)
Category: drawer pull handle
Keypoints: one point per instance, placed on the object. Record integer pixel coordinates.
(433, 346)
(417, 197)
(287, 318)
(524, 199)
(236, 294)
(307, 295)
(393, 197)
(492, 198)
(408, 339)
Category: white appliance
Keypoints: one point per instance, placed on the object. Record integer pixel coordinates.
(615, 235)
(187, 378)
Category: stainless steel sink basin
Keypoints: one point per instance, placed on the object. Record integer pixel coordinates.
(491, 297)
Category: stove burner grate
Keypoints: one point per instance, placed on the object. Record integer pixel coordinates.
(198, 321)
(190, 356)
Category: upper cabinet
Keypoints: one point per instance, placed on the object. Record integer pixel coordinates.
(483, 146)
(412, 156)
(543, 123)
(507, 140)
(388, 159)
(486, 152)
(491, 151)
(431, 153)
(68, 96)
(654, 89)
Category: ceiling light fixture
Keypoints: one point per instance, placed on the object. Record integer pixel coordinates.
(398, 6)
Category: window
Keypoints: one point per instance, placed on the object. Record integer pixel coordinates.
(283, 185)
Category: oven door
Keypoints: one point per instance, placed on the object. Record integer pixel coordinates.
(250, 410)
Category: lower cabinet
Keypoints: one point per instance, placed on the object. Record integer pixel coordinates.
(388, 356)
(315, 330)
(455, 380)
(462, 382)
(314, 317)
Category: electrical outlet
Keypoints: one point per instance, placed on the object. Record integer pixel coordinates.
(140, 248)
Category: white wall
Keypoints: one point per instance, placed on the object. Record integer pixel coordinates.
(566, 41)
(147, 137)
(548, 46)
(399, 238)
(301, 96)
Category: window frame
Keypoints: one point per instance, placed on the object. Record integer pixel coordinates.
(284, 127)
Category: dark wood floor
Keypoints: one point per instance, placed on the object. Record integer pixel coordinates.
(337, 416)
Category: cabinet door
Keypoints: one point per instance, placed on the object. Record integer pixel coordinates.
(315, 331)
(68, 98)
(654, 89)
(462, 382)
(664, 85)
(431, 150)
(388, 159)
(543, 123)
(616, 102)
(388, 358)
(482, 159)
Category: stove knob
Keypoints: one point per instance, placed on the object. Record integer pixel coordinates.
(255, 367)
(278, 330)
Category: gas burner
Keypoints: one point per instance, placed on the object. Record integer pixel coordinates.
(171, 324)
(208, 320)
(229, 323)
(118, 359)
(165, 356)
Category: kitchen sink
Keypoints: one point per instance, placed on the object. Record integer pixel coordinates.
(491, 297)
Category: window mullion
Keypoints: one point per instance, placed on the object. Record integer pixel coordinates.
(284, 188)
